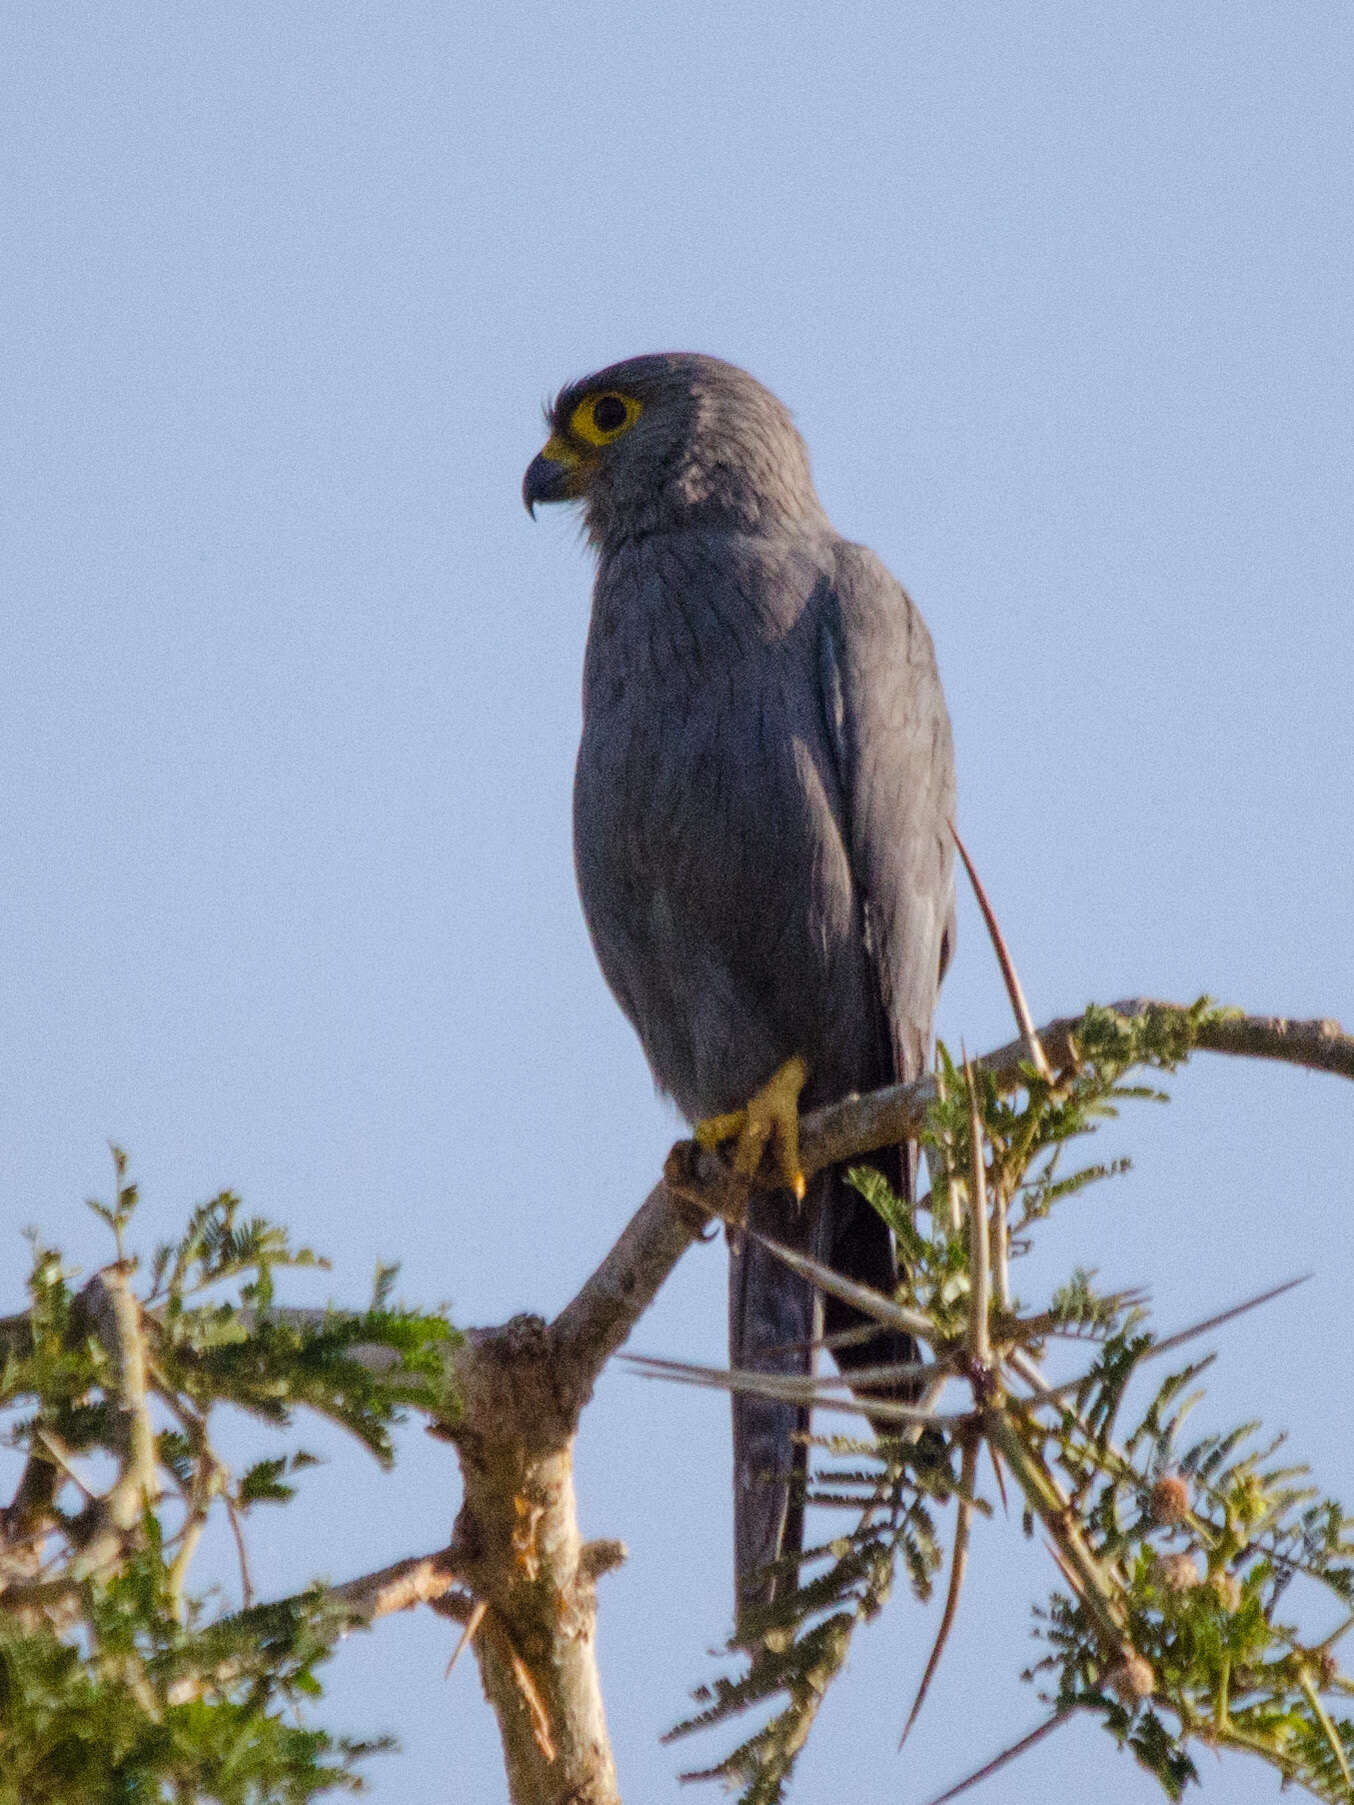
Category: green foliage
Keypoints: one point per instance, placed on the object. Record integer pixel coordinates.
(117, 1682)
(1175, 1558)
(805, 1636)
(134, 1705)
(1204, 1540)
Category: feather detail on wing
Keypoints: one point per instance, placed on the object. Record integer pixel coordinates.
(890, 735)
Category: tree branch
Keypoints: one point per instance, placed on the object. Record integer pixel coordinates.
(521, 1554)
(517, 1560)
(599, 1319)
(859, 1125)
(113, 1312)
(522, 1388)
(588, 1331)
(419, 1579)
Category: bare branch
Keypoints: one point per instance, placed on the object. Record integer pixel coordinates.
(589, 1330)
(520, 1553)
(418, 1579)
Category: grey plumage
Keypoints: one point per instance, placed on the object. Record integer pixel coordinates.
(761, 814)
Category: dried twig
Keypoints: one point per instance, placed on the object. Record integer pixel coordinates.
(980, 1269)
(472, 1624)
(868, 1301)
(1020, 1008)
(986, 1771)
(793, 1389)
(958, 1568)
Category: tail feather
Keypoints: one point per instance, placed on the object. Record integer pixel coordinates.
(774, 1317)
(860, 1246)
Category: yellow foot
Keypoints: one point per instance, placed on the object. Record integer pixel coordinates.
(772, 1116)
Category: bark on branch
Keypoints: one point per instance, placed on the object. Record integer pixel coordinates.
(521, 1556)
(421, 1579)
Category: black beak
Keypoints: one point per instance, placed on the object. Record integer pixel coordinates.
(546, 480)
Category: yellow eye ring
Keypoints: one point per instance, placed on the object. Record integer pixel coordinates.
(598, 419)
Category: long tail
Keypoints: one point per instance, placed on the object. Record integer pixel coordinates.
(861, 1247)
(774, 1317)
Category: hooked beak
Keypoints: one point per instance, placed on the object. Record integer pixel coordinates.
(556, 473)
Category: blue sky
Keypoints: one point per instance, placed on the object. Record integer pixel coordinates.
(1061, 298)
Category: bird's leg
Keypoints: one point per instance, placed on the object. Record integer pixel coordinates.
(770, 1117)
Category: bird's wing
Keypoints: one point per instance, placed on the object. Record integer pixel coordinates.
(889, 741)
(890, 736)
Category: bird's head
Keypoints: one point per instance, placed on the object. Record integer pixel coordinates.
(669, 441)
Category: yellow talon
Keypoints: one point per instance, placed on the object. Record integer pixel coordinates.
(771, 1117)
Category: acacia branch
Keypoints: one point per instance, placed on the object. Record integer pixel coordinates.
(353, 1604)
(522, 1388)
(419, 1579)
(520, 1553)
(517, 1564)
(599, 1319)
(588, 1331)
(862, 1124)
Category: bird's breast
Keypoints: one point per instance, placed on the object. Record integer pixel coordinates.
(709, 847)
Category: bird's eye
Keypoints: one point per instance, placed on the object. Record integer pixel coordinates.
(602, 418)
(608, 412)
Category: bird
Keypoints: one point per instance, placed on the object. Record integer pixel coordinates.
(762, 813)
